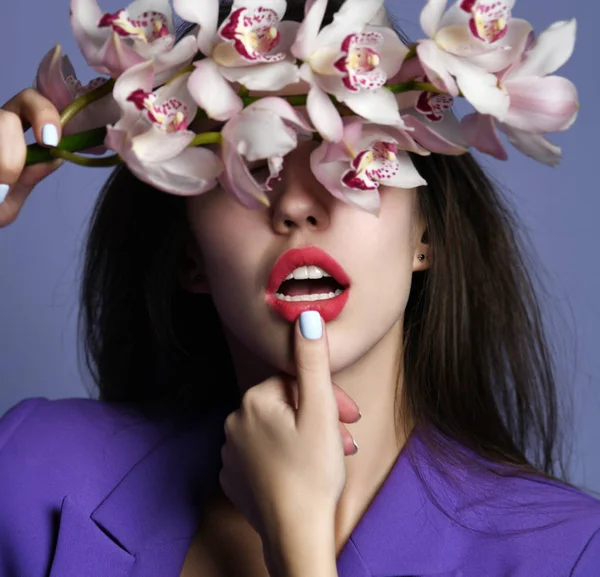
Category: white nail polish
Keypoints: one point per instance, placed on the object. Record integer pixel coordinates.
(4, 188)
(50, 135)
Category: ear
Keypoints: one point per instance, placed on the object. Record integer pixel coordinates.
(191, 274)
(422, 256)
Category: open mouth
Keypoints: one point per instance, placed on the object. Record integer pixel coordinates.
(307, 279)
(309, 284)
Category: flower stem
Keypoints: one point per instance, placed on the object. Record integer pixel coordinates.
(207, 138)
(71, 143)
(103, 162)
(85, 100)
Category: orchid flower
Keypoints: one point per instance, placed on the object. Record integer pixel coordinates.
(350, 60)
(266, 130)
(367, 157)
(152, 134)
(429, 115)
(467, 44)
(57, 81)
(250, 48)
(112, 43)
(539, 103)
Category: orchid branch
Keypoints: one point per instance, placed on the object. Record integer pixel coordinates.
(85, 100)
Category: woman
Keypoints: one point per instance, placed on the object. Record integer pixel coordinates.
(217, 444)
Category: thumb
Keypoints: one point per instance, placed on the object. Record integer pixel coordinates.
(316, 399)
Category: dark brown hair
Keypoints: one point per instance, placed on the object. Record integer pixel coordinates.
(477, 367)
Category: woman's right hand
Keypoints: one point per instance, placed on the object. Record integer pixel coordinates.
(27, 109)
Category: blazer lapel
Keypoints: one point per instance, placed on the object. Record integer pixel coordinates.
(145, 524)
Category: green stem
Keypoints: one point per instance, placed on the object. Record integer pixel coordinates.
(103, 162)
(85, 100)
(92, 138)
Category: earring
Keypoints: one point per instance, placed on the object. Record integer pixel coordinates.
(421, 257)
(198, 279)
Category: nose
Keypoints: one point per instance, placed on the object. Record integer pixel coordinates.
(300, 203)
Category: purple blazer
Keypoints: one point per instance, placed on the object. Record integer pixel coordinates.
(90, 489)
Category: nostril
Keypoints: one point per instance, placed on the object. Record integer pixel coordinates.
(311, 220)
(288, 223)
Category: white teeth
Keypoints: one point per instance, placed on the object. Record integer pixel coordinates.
(307, 272)
(308, 298)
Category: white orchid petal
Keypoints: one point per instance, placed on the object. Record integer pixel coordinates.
(431, 16)
(155, 145)
(321, 110)
(509, 49)
(212, 92)
(551, 51)
(139, 77)
(238, 181)
(480, 89)
(138, 7)
(435, 63)
(542, 105)
(269, 76)
(378, 106)
(178, 89)
(169, 63)
(259, 134)
(352, 17)
(85, 15)
(407, 177)
(392, 52)
(309, 29)
(443, 137)
(535, 146)
(278, 6)
(454, 16)
(116, 56)
(206, 15)
(283, 109)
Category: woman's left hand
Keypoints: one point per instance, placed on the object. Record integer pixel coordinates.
(284, 468)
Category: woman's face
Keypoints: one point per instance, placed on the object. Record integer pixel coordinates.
(239, 248)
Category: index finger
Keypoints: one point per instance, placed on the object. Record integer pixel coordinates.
(315, 390)
(36, 111)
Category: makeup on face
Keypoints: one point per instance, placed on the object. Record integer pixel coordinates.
(307, 279)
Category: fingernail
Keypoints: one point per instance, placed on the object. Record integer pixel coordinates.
(50, 135)
(311, 325)
(4, 188)
(356, 447)
(359, 417)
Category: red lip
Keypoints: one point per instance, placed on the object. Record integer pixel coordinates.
(292, 259)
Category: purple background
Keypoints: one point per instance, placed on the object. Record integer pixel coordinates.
(40, 254)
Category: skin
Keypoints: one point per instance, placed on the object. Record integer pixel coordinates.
(365, 341)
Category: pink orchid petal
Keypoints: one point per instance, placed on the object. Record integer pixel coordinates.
(352, 17)
(508, 50)
(373, 133)
(206, 15)
(392, 52)
(116, 140)
(116, 56)
(269, 76)
(379, 106)
(443, 137)
(167, 64)
(480, 132)
(155, 145)
(551, 51)
(542, 105)
(535, 146)
(435, 63)
(323, 113)
(480, 88)
(192, 172)
(50, 79)
(330, 176)
(407, 177)
(212, 92)
(239, 181)
(85, 15)
(309, 29)
(431, 16)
